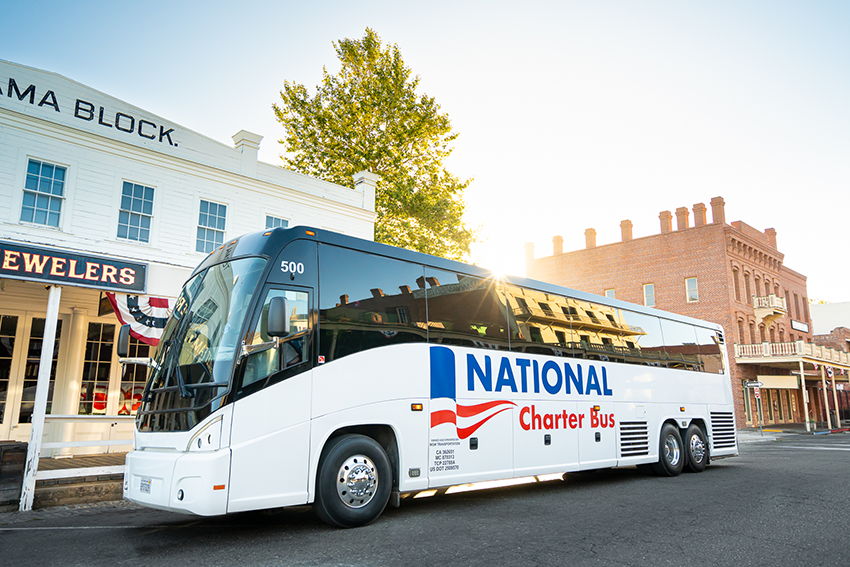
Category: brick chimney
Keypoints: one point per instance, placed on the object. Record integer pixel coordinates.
(590, 238)
(626, 230)
(699, 214)
(771, 236)
(666, 221)
(718, 213)
(248, 144)
(682, 214)
(558, 245)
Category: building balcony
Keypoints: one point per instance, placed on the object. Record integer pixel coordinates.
(792, 352)
(768, 308)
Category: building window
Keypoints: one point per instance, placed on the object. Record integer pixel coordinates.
(797, 305)
(133, 379)
(805, 309)
(276, 222)
(691, 290)
(741, 338)
(210, 226)
(8, 331)
(737, 285)
(96, 369)
(747, 292)
(32, 367)
(134, 217)
(44, 192)
(610, 293)
(649, 295)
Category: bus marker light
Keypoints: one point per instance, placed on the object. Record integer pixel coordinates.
(595, 408)
(416, 407)
(681, 409)
(266, 233)
(218, 487)
(180, 494)
(310, 233)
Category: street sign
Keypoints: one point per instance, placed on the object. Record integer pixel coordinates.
(755, 384)
(757, 394)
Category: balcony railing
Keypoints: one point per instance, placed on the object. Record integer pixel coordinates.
(769, 302)
(577, 320)
(793, 349)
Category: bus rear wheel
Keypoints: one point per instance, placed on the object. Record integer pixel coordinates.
(353, 483)
(696, 448)
(671, 457)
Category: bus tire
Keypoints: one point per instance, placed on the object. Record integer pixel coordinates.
(696, 449)
(671, 457)
(353, 483)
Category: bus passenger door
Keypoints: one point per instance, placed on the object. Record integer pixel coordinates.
(597, 445)
(271, 415)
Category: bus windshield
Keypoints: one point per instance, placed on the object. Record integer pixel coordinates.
(199, 345)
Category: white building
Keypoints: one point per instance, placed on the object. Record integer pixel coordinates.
(98, 195)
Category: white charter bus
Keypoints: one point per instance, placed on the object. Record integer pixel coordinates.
(303, 366)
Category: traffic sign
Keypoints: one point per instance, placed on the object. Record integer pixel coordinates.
(754, 384)
(756, 392)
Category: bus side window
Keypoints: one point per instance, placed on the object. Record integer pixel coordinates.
(642, 338)
(367, 301)
(291, 350)
(465, 310)
(680, 343)
(710, 355)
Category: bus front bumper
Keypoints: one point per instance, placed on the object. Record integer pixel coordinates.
(191, 483)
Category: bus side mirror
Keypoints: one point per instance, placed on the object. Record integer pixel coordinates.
(278, 318)
(124, 341)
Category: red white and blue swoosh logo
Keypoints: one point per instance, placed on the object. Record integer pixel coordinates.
(444, 406)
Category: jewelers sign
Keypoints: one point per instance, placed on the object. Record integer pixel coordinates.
(59, 267)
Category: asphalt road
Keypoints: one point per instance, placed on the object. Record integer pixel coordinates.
(780, 503)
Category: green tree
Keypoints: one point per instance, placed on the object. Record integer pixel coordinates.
(369, 116)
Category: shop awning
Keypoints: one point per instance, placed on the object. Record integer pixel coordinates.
(146, 315)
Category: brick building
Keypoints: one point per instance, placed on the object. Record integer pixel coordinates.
(731, 274)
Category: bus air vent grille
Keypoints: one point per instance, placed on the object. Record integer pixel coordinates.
(723, 429)
(634, 438)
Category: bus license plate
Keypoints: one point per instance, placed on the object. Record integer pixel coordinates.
(145, 486)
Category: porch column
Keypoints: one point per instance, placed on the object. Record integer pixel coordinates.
(835, 399)
(68, 393)
(825, 399)
(804, 396)
(41, 389)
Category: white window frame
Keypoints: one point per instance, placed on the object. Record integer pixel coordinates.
(63, 199)
(646, 296)
(275, 217)
(198, 225)
(695, 290)
(151, 216)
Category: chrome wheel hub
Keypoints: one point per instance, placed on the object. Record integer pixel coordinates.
(672, 452)
(357, 481)
(697, 448)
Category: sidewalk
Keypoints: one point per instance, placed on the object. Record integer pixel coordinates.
(778, 431)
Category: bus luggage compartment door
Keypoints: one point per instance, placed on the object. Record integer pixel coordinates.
(597, 445)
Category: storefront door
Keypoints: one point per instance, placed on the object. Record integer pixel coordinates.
(21, 337)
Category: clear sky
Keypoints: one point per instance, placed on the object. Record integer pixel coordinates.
(571, 114)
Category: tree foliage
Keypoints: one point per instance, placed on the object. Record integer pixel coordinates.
(369, 116)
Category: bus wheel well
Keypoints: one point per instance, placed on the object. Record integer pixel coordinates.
(383, 435)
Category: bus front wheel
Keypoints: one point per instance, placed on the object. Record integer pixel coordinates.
(353, 483)
(671, 457)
